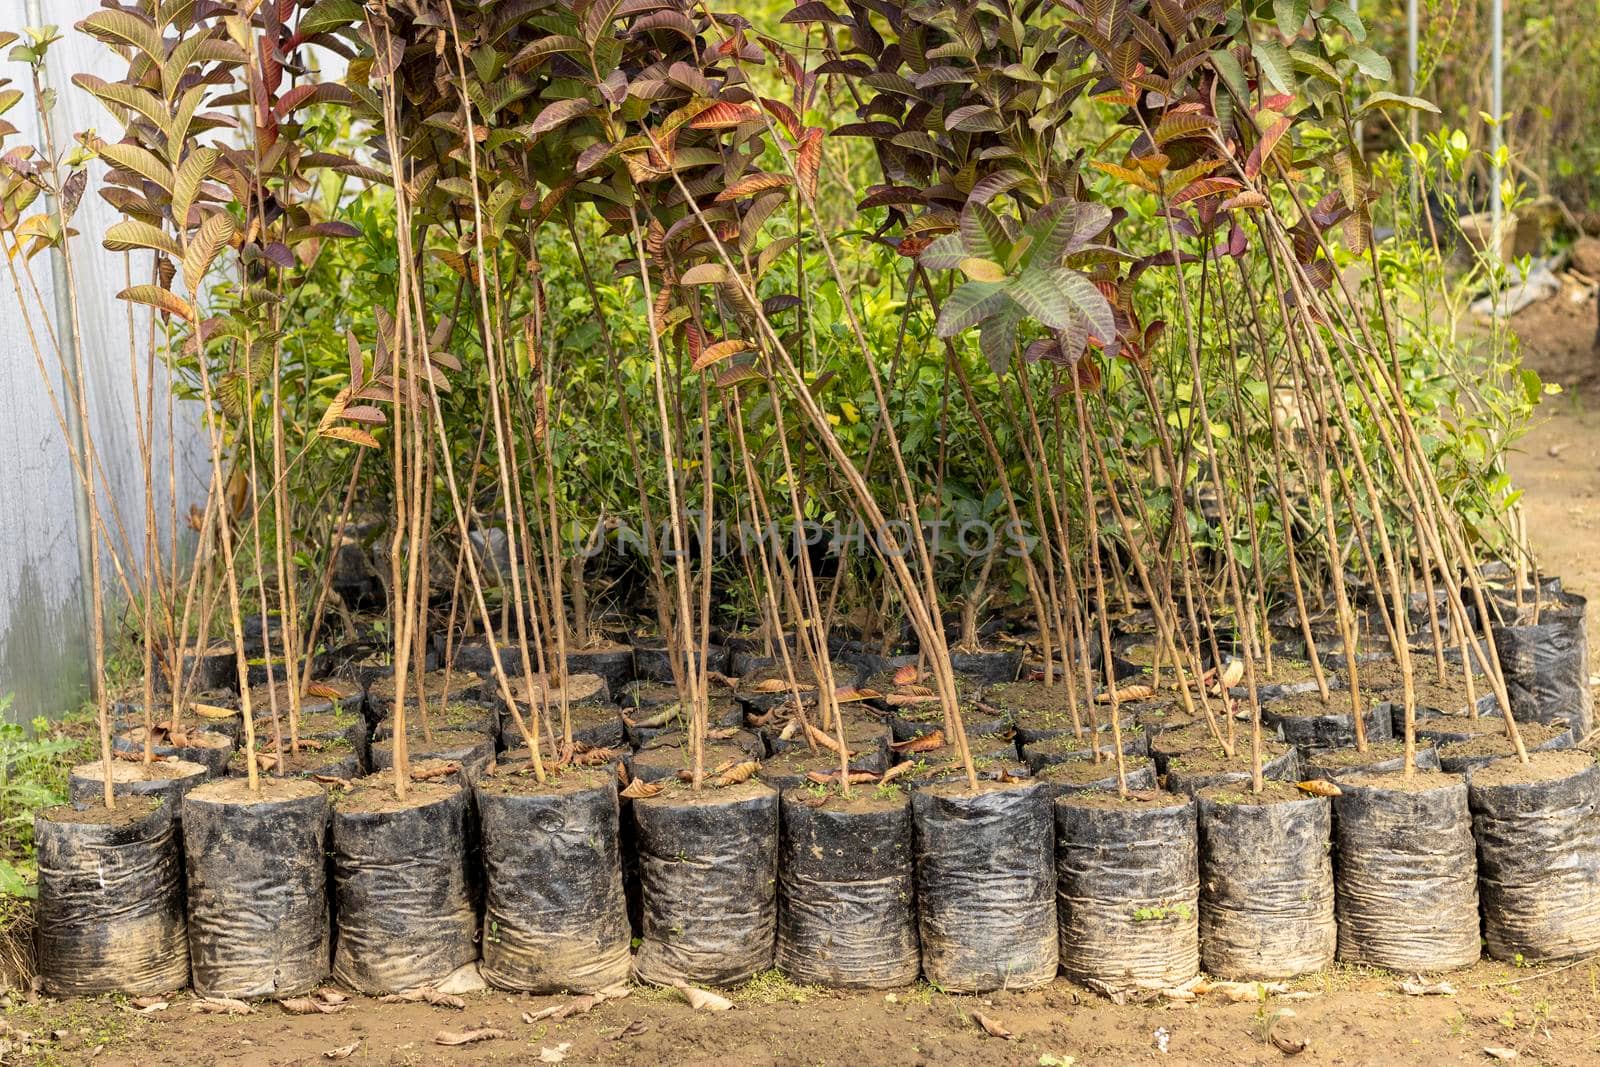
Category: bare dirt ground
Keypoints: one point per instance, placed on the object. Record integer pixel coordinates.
(1347, 1016)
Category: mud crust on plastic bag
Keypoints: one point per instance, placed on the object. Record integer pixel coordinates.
(1127, 888)
(405, 915)
(1406, 884)
(554, 913)
(1266, 883)
(845, 883)
(1538, 836)
(708, 870)
(110, 909)
(257, 882)
(985, 885)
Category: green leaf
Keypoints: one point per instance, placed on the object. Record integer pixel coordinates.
(131, 234)
(140, 161)
(1232, 74)
(983, 234)
(125, 28)
(1056, 297)
(1383, 99)
(191, 172)
(982, 270)
(1276, 65)
(1370, 63)
(1344, 13)
(329, 15)
(968, 306)
(1291, 15)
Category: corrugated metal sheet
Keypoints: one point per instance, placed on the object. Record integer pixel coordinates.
(43, 658)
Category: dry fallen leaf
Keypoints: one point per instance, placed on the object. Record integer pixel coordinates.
(147, 1005)
(428, 770)
(425, 995)
(906, 675)
(992, 1028)
(309, 1006)
(1319, 787)
(739, 772)
(832, 777)
(912, 695)
(1125, 694)
(1232, 673)
(324, 691)
(821, 737)
(639, 789)
(1289, 1046)
(771, 685)
(343, 1052)
(1415, 987)
(594, 757)
(701, 999)
(896, 771)
(467, 1037)
(330, 996)
(222, 1006)
(1495, 1053)
(926, 743)
(633, 1029)
(554, 1055)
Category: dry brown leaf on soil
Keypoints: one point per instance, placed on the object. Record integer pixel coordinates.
(906, 675)
(739, 772)
(909, 700)
(639, 789)
(309, 1006)
(821, 737)
(896, 771)
(1496, 1053)
(722, 679)
(222, 1006)
(331, 779)
(428, 770)
(1319, 787)
(1289, 1046)
(330, 996)
(594, 757)
(1124, 694)
(847, 694)
(1416, 987)
(1241, 992)
(323, 691)
(702, 999)
(926, 743)
(343, 1052)
(558, 1054)
(146, 1005)
(633, 1029)
(770, 685)
(832, 777)
(650, 722)
(722, 733)
(992, 1028)
(425, 995)
(467, 1037)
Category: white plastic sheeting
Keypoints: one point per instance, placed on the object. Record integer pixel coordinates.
(43, 638)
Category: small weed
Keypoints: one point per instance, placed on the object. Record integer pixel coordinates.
(772, 987)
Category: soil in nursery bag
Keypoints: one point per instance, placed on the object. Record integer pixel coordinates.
(1083, 775)
(708, 868)
(1201, 768)
(208, 748)
(1380, 757)
(767, 687)
(865, 734)
(1045, 751)
(985, 885)
(650, 660)
(166, 777)
(1289, 677)
(340, 724)
(477, 655)
(474, 751)
(943, 765)
(596, 721)
(611, 661)
(438, 687)
(905, 686)
(405, 913)
(1166, 712)
(1313, 725)
(912, 721)
(1127, 887)
(1457, 757)
(1168, 744)
(1546, 664)
(669, 756)
(845, 885)
(1537, 826)
(110, 899)
(335, 758)
(1039, 711)
(987, 666)
(1406, 887)
(645, 723)
(257, 885)
(464, 716)
(1266, 882)
(554, 913)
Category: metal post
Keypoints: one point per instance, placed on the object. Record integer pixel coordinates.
(67, 333)
(1411, 90)
(1496, 108)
